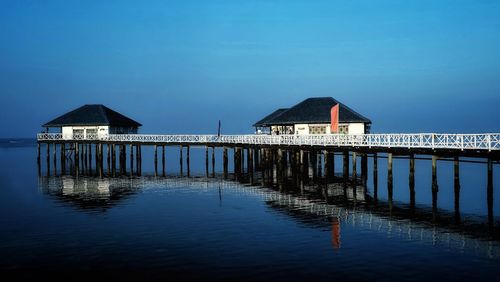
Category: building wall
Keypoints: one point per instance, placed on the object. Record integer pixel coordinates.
(301, 129)
(67, 131)
(353, 128)
(356, 128)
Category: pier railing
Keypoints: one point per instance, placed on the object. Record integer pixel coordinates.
(488, 142)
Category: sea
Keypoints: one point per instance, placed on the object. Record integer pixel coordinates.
(199, 228)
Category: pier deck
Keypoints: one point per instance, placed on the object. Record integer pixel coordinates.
(462, 144)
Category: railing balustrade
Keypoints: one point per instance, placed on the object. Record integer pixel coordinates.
(490, 141)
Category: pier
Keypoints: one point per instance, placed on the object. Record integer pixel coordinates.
(282, 160)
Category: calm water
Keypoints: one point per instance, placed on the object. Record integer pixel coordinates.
(211, 229)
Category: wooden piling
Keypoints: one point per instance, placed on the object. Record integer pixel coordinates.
(96, 158)
(213, 161)
(345, 168)
(139, 160)
(63, 159)
(188, 164)
(108, 158)
(225, 163)
(90, 158)
(375, 178)
(206, 161)
(250, 165)
(490, 193)
(123, 155)
(101, 160)
(364, 168)
(48, 158)
(330, 160)
(82, 157)
(180, 161)
(411, 181)
(85, 159)
(320, 164)
(77, 161)
(156, 160)
(54, 157)
(163, 171)
(434, 185)
(354, 168)
(113, 160)
(38, 152)
(456, 186)
(131, 159)
(389, 178)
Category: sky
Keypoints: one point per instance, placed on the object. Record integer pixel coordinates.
(180, 66)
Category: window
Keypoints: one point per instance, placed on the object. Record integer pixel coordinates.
(344, 129)
(317, 129)
(78, 133)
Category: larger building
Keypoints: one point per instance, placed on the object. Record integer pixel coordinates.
(314, 116)
(92, 121)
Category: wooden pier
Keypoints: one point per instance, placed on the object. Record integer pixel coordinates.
(282, 160)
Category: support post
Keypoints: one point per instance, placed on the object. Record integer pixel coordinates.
(131, 159)
(375, 178)
(346, 166)
(364, 168)
(188, 164)
(225, 163)
(77, 161)
(139, 162)
(63, 158)
(354, 168)
(156, 160)
(250, 165)
(38, 159)
(113, 160)
(434, 186)
(456, 182)
(90, 158)
(48, 159)
(108, 158)
(389, 178)
(180, 160)
(411, 180)
(206, 161)
(213, 161)
(490, 193)
(163, 171)
(101, 160)
(55, 158)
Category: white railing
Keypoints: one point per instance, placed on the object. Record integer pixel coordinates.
(487, 141)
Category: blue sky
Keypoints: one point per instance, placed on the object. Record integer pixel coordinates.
(180, 66)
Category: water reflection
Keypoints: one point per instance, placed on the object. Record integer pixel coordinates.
(309, 208)
(335, 232)
(87, 193)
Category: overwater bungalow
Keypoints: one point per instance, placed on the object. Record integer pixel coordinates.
(90, 121)
(320, 115)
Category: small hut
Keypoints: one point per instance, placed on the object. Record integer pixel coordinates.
(319, 115)
(92, 121)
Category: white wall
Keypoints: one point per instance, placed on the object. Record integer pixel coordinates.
(356, 128)
(301, 129)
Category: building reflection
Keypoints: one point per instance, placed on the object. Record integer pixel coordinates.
(86, 193)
